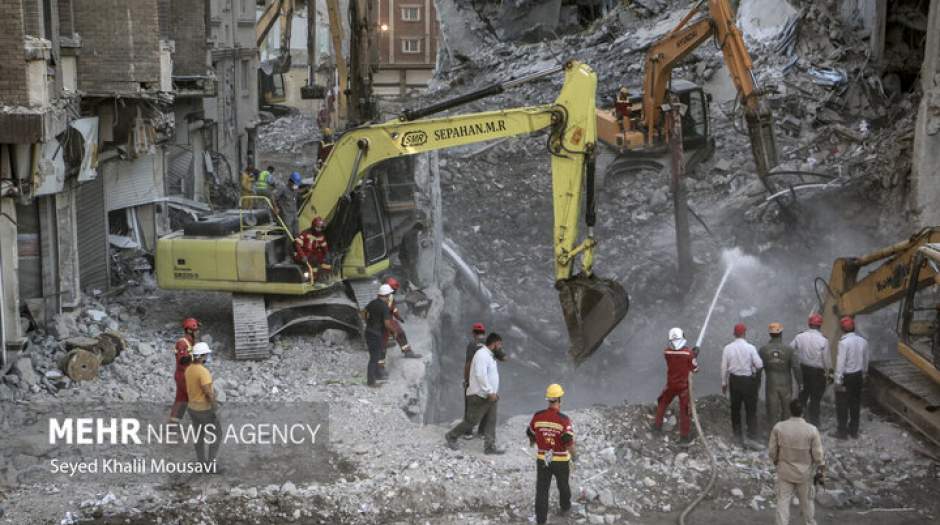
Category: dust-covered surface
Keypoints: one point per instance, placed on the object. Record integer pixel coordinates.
(844, 129)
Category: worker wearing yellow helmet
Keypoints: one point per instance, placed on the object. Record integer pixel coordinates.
(551, 432)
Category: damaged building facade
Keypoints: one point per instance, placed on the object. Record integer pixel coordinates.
(114, 117)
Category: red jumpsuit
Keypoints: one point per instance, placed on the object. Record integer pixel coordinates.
(399, 333)
(184, 347)
(312, 248)
(679, 363)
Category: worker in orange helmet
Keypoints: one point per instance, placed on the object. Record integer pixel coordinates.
(311, 247)
(183, 349)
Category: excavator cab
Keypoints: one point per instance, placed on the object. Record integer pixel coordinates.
(592, 307)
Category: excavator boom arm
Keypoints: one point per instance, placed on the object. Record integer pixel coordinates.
(881, 287)
(573, 135)
(592, 306)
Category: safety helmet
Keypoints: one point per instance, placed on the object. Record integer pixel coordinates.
(740, 330)
(815, 320)
(385, 290)
(675, 334)
(479, 328)
(190, 323)
(554, 391)
(295, 178)
(327, 132)
(393, 282)
(775, 328)
(847, 324)
(201, 349)
(317, 223)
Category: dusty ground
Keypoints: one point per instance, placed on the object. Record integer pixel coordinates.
(387, 467)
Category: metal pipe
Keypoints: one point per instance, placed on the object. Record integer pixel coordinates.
(469, 273)
(495, 89)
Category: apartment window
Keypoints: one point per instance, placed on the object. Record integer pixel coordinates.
(411, 14)
(245, 65)
(410, 45)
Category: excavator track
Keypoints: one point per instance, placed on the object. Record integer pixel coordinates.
(909, 394)
(332, 308)
(257, 318)
(250, 320)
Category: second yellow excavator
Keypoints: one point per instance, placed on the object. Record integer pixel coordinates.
(248, 255)
(907, 273)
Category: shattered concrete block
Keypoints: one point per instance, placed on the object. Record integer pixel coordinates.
(24, 369)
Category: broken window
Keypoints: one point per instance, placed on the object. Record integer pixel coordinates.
(410, 45)
(411, 14)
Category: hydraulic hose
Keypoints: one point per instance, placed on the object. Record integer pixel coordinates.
(711, 458)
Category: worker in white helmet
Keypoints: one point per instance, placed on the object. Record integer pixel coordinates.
(680, 362)
(202, 406)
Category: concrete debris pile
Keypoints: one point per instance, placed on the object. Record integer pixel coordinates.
(628, 468)
(288, 134)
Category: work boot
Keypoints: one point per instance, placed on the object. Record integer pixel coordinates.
(411, 354)
(839, 435)
(656, 429)
(494, 451)
(452, 443)
(376, 384)
(469, 435)
(686, 440)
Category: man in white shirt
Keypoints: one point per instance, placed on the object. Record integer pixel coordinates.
(482, 396)
(815, 364)
(851, 371)
(740, 365)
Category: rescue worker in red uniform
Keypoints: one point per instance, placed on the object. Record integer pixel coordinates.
(680, 362)
(183, 348)
(551, 432)
(311, 247)
(398, 334)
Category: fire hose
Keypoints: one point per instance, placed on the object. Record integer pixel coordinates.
(711, 458)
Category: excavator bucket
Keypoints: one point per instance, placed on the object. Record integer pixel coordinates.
(592, 308)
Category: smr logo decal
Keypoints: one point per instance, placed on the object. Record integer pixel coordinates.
(414, 138)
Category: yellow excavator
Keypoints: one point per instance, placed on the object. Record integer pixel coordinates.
(635, 126)
(909, 273)
(248, 252)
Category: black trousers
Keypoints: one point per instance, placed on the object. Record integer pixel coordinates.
(543, 483)
(376, 354)
(814, 386)
(208, 434)
(744, 392)
(479, 409)
(848, 404)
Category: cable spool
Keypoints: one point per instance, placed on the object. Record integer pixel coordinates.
(80, 364)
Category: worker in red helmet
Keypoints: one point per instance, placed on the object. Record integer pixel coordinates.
(477, 338)
(812, 350)
(740, 368)
(311, 248)
(851, 372)
(183, 348)
(397, 333)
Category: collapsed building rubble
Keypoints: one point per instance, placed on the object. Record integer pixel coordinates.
(846, 133)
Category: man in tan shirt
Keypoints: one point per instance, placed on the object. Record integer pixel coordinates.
(796, 450)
